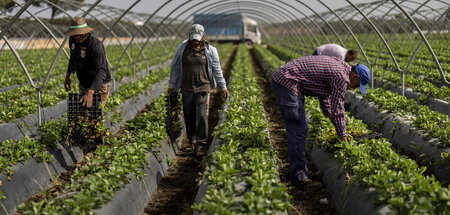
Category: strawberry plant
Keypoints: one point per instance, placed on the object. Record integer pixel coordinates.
(108, 169)
(241, 174)
(111, 165)
(12, 152)
(399, 181)
(269, 62)
(21, 101)
(437, 125)
(282, 53)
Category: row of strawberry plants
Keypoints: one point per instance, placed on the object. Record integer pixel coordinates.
(121, 71)
(53, 131)
(401, 45)
(13, 151)
(435, 124)
(41, 60)
(405, 44)
(241, 174)
(327, 138)
(19, 104)
(405, 51)
(282, 53)
(270, 62)
(425, 88)
(419, 67)
(108, 169)
(398, 181)
(400, 127)
(422, 65)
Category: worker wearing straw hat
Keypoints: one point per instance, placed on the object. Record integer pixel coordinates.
(88, 61)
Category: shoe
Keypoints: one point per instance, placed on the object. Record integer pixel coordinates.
(301, 176)
(191, 145)
(199, 150)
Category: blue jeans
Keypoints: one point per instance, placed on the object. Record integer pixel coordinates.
(292, 108)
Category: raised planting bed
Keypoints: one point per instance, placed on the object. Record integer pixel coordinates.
(418, 88)
(133, 197)
(435, 104)
(368, 176)
(348, 197)
(21, 101)
(269, 62)
(241, 175)
(64, 157)
(134, 161)
(128, 99)
(27, 126)
(408, 126)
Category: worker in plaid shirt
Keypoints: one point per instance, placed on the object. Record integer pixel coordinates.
(324, 77)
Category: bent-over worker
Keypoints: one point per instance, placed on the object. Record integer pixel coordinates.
(324, 77)
(338, 51)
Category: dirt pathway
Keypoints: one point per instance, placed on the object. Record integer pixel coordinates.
(177, 190)
(306, 199)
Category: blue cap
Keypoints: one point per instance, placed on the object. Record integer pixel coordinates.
(364, 76)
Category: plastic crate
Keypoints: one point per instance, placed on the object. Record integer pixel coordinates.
(77, 114)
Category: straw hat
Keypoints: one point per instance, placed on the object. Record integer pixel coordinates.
(77, 26)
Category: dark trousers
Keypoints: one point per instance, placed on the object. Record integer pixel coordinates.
(292, 108)
(195, 108)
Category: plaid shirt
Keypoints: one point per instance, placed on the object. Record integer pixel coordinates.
(321, 76)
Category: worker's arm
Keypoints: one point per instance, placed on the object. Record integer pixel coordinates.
(337, 110)
(325, 105)
(217, 72)
(70, 70)
(101, 65)
(175, 68)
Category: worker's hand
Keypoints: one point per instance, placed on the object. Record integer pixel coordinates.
(171, 90)
(86, 100)
(226, 94)
(67, 84)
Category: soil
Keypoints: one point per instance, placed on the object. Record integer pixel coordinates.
(177, 190)
(306, 197)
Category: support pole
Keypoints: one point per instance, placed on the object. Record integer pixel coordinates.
(38, 92)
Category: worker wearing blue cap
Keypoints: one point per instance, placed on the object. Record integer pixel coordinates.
(321, 76)
(363, 76)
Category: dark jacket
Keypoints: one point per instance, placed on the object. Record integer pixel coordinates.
(88, 61)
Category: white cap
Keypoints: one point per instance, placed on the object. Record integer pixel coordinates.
(196, 32)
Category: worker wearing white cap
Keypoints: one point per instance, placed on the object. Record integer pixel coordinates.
(196, 70)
